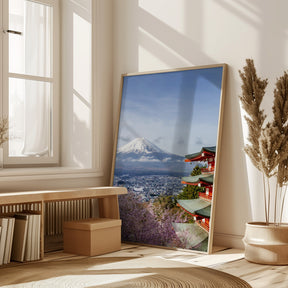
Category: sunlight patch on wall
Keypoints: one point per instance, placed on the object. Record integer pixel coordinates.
(151, 47)
(82, 56)
(169, 12)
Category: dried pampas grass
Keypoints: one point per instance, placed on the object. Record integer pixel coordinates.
(268, 142)
(4, 126)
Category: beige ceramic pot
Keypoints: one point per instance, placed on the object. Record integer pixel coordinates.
(266, 244)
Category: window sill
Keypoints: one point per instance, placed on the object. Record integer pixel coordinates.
(18, 174)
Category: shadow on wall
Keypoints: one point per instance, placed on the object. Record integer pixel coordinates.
(176, 38)
(268, 20)
(149, 37)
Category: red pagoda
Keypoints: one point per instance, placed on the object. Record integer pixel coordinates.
(200, 208)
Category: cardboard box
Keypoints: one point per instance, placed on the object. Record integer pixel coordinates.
(91, 237)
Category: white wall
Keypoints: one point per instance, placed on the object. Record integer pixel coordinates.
(76, 84)
(163, 34)
(86, 86)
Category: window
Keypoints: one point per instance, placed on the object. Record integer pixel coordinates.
(34, 80)
(31, 81)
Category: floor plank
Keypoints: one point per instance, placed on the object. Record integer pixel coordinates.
(66, 269)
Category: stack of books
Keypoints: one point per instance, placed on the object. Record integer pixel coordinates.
(6, 239)
(20, 238)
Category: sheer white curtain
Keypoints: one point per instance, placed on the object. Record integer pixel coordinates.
(37, 104)
(36, 126)
(30, 99)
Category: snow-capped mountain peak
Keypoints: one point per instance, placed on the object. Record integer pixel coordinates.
(140, 145)
(142, 156)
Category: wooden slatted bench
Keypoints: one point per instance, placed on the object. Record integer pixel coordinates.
(107, 202)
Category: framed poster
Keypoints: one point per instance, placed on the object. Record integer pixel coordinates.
(166, 152)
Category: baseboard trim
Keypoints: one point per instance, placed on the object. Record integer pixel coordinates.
(228, 240)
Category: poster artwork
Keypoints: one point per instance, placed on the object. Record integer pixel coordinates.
(167, 143)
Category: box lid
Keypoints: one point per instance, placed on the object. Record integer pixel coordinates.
(92, 224)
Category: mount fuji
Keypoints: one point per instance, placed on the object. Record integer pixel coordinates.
(140, 145)
(141, 156)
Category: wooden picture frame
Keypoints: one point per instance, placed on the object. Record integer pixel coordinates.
(169, 127)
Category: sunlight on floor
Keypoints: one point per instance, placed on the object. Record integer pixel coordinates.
(140, 263)
(213, 259)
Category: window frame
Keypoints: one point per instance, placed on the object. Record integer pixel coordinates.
(54, 79)
(39, 176)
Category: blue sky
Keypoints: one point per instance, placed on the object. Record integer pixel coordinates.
(178, 111)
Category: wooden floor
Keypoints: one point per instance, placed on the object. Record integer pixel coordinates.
(59, 269)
